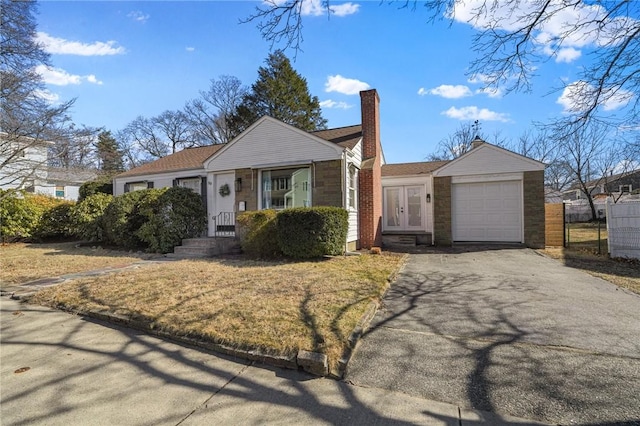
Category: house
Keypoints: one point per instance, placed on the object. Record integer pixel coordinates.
(23, 161)
(489, 194)
(616, 185)
(24, 166)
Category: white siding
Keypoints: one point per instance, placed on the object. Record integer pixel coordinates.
(352, 234)
(159, 180)
(357, 155)
(271, 142)
(488, 159)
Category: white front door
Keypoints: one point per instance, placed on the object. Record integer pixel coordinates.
(222, 215)
(404, 208)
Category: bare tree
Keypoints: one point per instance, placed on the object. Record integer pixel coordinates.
(143, 139)
(29, 123)
(209, 113)
(515, 37)
(175, 128)
(455, 144)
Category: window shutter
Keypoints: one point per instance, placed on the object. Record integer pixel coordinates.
(149, 185)
(203, 191)
(126, 187)
(175, 183)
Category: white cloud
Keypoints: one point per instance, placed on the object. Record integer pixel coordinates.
(491, 92)
(60, 46)
(422, 91)
(335, 104)
(346, 86)
(475, 113)
(59, 77)
(561, 27)
(318, 8)
(575, 96)
(190, 49)
(48, 96)
(138, 16)
(451, 92)
(344, 9)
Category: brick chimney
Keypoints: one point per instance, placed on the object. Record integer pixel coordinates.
(370, 180)
(370, 111)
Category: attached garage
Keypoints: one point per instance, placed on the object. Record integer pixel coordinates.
(487, 211)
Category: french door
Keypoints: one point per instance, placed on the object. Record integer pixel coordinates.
(404, 208)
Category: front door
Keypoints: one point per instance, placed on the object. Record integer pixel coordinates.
(222, 215)
(404, 208)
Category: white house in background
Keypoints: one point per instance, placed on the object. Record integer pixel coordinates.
(23, 165)
(23, 161)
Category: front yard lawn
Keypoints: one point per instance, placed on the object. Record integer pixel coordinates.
(21, 263)
(278, 307)
(582, 253)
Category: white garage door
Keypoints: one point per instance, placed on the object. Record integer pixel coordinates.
(487, 211)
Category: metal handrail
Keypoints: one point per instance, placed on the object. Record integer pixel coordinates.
(224, 224)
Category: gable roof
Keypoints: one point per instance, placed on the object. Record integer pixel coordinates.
(408, 169)
(187, 159)
(70, 175)
(606, 180)
(346, 137)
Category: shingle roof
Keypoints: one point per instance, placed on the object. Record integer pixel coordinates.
(193, 158)
(346, 137)
(189, 158)
(408, 169)
(70, 175)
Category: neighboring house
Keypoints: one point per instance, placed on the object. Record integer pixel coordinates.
(23, 161)
(552, 196)
(487, 195)
(63, 183)
(23, 164)
(615, 185)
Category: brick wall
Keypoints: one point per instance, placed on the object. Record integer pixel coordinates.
(442, 211)
(327, 185)
(554, 231)
(534, 218)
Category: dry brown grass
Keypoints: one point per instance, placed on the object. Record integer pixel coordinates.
(278, 307)
(582, 253)
(20, 263)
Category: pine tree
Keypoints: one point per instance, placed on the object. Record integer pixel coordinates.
(109, 154)
(280, 92)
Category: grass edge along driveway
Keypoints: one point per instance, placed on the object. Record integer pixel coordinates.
(278, 307)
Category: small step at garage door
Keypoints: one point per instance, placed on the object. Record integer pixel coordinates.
(487, 211)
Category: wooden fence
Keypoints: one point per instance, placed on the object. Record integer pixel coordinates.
(554, 231)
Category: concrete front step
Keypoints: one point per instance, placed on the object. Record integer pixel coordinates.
(206, 247)
(398, 240)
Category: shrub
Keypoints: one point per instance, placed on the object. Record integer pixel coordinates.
(20, 214)
(55, 222)
(123, 217)
(308, 232)
(87, 217)
(177, 213)
(258, 233)
(101, 185)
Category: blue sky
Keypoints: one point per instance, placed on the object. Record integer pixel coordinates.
(123, 59)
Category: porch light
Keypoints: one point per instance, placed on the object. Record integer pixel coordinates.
(238, 184)
(428, 198)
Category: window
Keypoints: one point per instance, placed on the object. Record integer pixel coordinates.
(137, 186)
(353, 186)
(59, 191)
(194, 184)
(625, 188)
(286, 188)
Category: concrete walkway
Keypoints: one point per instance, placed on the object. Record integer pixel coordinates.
(507, 331)
(61, 369)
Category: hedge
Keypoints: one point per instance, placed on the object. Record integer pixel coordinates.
(124, 216)
(177, 213)
(101, 185)
(258, 233)
(308, 232)
(55, 223)
(86, 217)
(20, 214)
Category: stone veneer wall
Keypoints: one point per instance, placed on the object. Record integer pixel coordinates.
(442, 210)
(327, 183)
(533, 193)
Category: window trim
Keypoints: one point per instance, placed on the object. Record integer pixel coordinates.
(291, 167)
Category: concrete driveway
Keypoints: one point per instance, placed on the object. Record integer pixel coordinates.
(507, 331)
